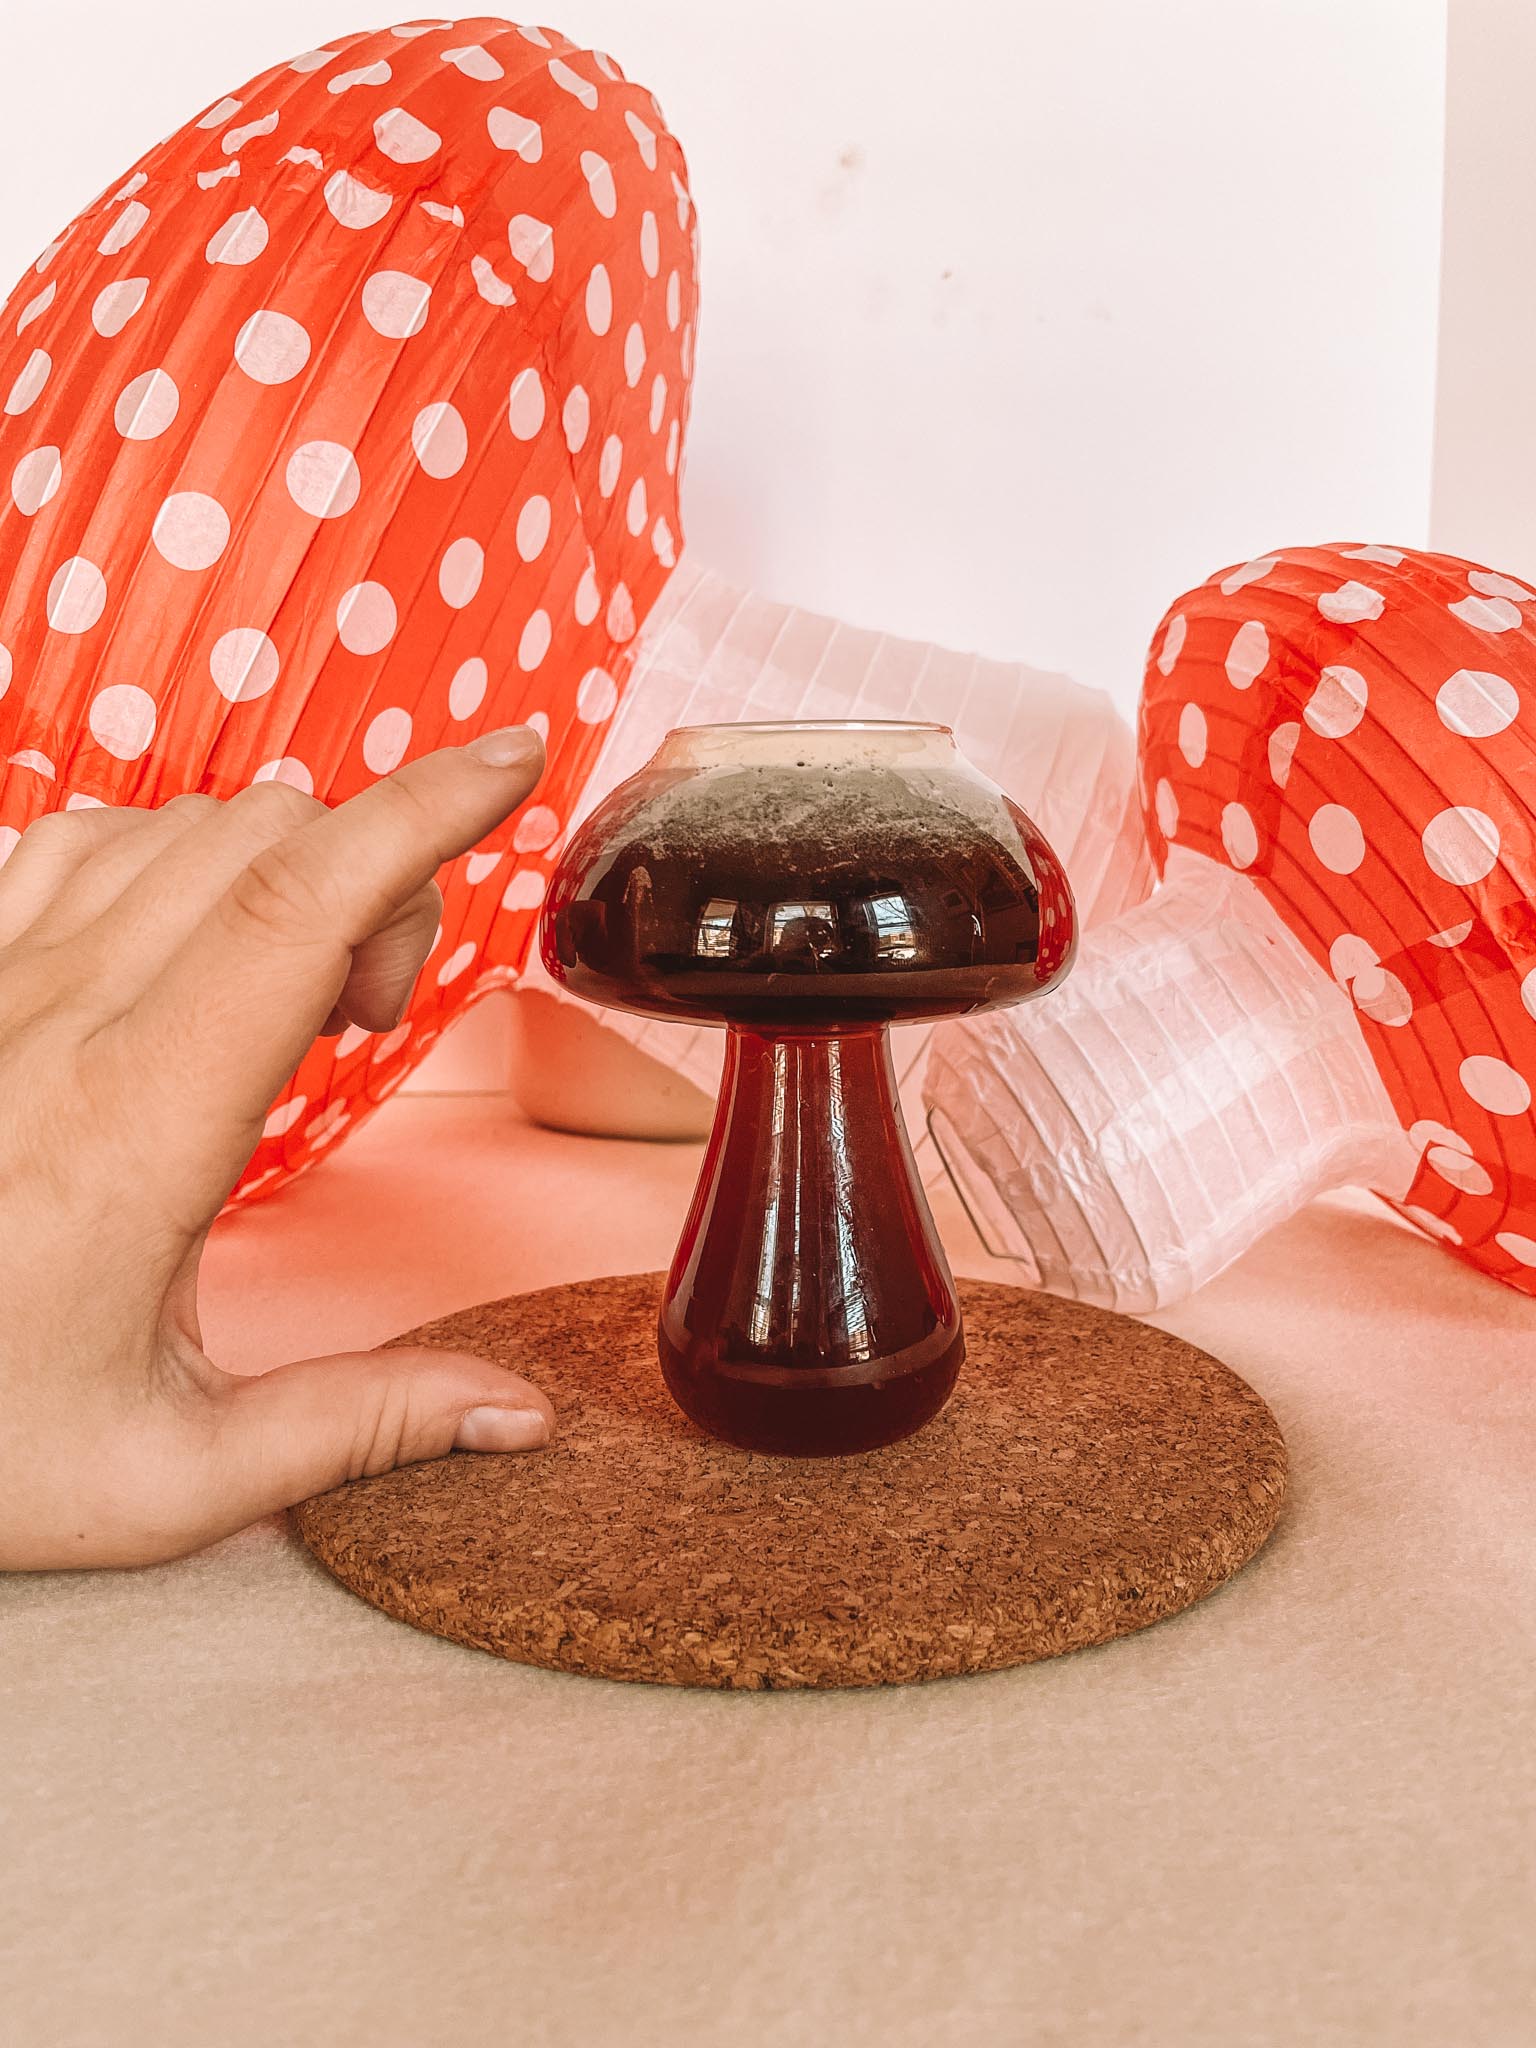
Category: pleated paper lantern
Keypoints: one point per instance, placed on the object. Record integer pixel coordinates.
(348, 425)
(713, 653)
(1337, 982)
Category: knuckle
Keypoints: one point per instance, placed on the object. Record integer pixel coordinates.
(275, 806)
(58, 832)
(386, 1430)
(406, 808)
(191, 804)
(283, 896)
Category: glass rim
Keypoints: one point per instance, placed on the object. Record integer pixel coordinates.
(768, 725)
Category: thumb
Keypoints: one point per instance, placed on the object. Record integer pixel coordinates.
(301, 1429)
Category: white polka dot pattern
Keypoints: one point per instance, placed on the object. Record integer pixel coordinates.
(1494, 1085)
(353, 204)
(1249, 572)
(191, 530)
(1193, 734)
(386, 740)
(1373, 778)
(533, 644)
(458, 961)
(525, 891)
(366, 618)
(1239, 836)
(440, 439)
(77, 596)
(404, 139)
(1338, 703)
(525, 405)
(1166, 809)
(241, 239)
(29, 383)
(537, 828)
(35, 480)
(515, 132)
(599, 300)
(533, 524)
(1282, 752)
(289, 770)
(466, 693)
(395, 304)
(115, 305)
(532, 242)
(1461, 844)
(243, 664)
(122, 720)
(302, 440)
(1337, 839)
(460, 571)
(323, 479)
(146, 407)
(273, 348)
(1248, 654)
(1349, 603)
(1476, 704)
(575, 418)
(491, 286)
(1486, 614)
(597, 697)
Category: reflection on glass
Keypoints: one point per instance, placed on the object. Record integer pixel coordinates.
(801, 929)
(850, 1272)
(895, 929)
(785, 1107)
(715, 933)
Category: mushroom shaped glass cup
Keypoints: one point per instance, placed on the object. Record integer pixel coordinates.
(807, 885)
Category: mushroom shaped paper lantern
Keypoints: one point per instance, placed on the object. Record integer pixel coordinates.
(345, 426)
(1336, 982)
(712, 652)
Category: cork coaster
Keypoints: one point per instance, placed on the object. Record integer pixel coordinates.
(1090, 1476)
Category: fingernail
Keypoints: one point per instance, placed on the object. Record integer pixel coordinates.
(508, 747)
(502, 1429)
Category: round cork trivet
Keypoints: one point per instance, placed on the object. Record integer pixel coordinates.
(1091, 1475)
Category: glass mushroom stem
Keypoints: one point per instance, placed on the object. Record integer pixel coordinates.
(807, 885)
(810, 1307)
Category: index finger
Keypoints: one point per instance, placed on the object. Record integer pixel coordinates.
(244, 997)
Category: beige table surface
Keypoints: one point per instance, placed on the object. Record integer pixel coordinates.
(239, 1807)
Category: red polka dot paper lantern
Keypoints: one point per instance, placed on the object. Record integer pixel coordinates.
(1355, 729)
(1335, 983)
(345, 426)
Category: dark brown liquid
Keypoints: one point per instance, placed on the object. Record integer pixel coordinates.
(770, 898)
(810, 1309)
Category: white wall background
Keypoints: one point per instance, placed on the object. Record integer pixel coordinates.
(1019, 317)
(1485, 440)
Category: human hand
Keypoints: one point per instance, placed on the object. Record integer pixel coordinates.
(161, 975)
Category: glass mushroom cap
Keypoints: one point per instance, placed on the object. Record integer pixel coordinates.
(801, 876)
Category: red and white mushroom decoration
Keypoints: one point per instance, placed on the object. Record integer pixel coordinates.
(1336, 982)
(346, 425)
